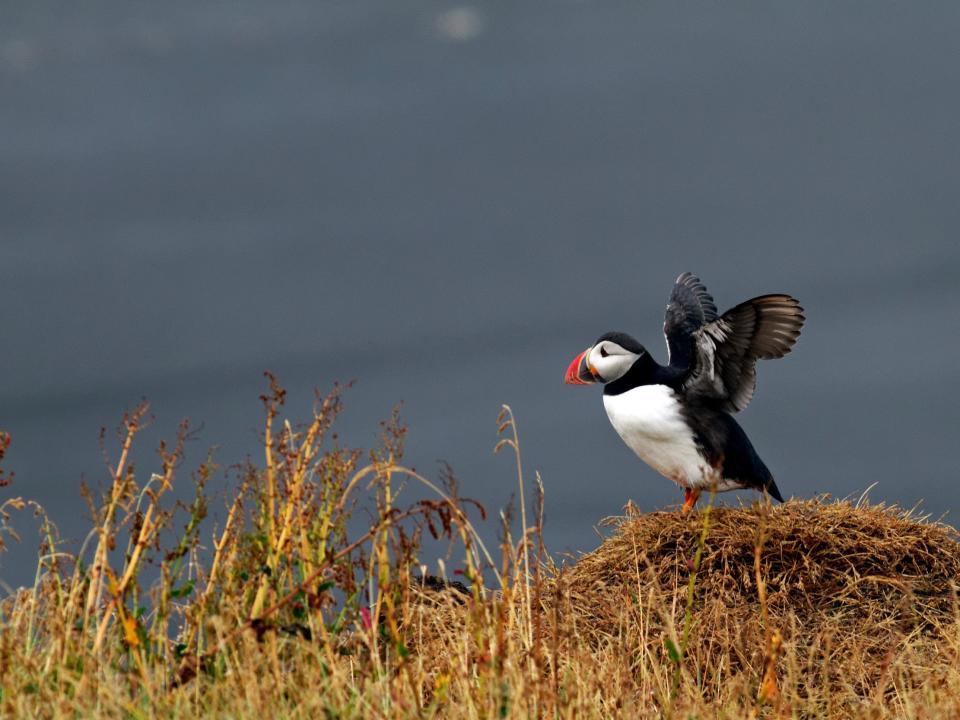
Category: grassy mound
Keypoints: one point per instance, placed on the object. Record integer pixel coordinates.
(848, 590)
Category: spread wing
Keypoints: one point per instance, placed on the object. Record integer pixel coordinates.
(689, 309)
(726, 350)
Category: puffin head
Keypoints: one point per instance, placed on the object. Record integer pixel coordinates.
(608, 359)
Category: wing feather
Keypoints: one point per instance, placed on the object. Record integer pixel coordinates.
(726, 350)
(690, 308)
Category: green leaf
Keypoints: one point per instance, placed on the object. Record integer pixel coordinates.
(183, 591)
(504, 700)
(672, 651)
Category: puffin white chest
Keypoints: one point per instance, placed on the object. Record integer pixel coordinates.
(649, 420)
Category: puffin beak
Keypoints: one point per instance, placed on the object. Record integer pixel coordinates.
(580, 372)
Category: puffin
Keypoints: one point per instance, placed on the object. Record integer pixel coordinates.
(678, 417)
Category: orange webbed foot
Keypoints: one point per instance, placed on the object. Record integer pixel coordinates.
(689, 499)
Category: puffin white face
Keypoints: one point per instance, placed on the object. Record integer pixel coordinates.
(603, 362)
(610, 360)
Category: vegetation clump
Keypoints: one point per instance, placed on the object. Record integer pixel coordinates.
(309, 594)
(858, 598)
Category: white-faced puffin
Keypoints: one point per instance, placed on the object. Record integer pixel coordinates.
(677, 417)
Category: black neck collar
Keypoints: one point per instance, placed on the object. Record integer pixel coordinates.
(645, 371)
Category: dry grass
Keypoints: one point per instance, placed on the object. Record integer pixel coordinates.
(809, 609)
(859, 600)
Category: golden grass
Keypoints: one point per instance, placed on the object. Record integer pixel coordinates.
(289, 608)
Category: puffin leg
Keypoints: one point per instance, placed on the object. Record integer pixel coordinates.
(689, 499)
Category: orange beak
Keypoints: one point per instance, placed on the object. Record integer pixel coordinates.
(580, 372)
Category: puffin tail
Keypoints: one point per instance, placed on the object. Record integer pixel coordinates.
(772, 490)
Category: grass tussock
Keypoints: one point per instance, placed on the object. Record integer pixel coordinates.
(856, 599)
(307, 596)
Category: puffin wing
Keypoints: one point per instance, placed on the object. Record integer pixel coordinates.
(726, 350)
(689, 309)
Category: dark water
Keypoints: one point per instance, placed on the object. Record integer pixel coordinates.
(447, 202)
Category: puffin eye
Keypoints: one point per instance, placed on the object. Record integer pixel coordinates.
(603, 352)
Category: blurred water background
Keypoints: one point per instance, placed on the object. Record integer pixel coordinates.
(446, 202)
